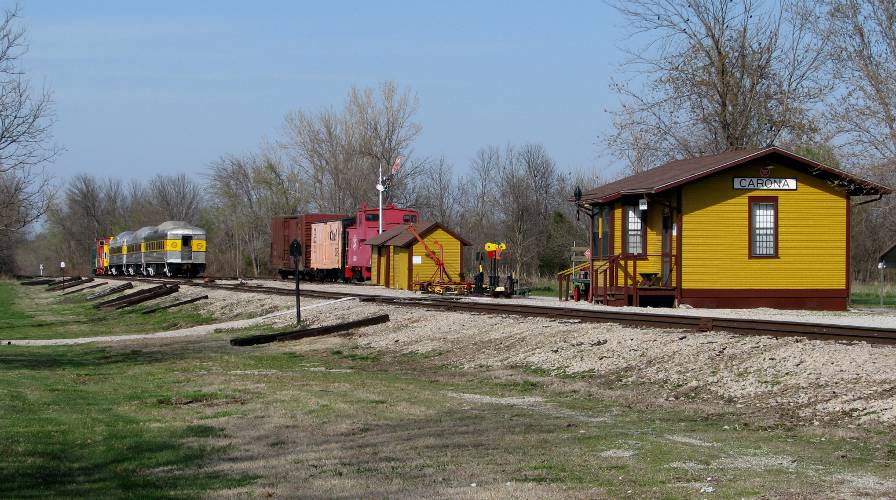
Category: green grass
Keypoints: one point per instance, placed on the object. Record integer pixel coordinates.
(325, 417)
(87, 422)
(34, 313)
(868, 294)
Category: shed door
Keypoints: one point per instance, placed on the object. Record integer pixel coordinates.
(186, 248)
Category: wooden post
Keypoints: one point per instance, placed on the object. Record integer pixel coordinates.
(635, 281)
(592, 281)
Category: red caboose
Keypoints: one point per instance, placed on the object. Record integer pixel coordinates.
(357, 262)
(101, 259)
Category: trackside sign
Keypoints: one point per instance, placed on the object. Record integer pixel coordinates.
(765, 183)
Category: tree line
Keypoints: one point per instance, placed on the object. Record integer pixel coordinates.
(701, 77)
(327, 161)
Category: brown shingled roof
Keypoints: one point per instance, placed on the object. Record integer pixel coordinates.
(400, 236)
(678, 172)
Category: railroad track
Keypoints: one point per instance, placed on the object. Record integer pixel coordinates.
(821, 331)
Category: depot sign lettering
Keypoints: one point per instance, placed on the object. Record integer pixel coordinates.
(765, 183)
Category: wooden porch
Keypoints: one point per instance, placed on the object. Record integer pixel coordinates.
(616, 281)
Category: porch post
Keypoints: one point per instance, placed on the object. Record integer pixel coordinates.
(679, 231)
(592, 281)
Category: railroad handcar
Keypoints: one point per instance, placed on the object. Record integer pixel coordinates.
(286, 228)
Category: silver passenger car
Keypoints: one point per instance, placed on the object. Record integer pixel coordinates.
(118, 252)
(174, 248)
(137, 262)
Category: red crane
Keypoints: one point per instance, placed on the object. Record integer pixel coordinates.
(439, 260)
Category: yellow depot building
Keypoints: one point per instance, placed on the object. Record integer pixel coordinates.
(399, 258)
(747, 228)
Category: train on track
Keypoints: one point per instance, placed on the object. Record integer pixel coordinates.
(333, 246)
(173, 248)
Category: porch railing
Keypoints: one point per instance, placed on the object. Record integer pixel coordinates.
(618, 275)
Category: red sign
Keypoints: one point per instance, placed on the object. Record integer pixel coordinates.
(588, 253)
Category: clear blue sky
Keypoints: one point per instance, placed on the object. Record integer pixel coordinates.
(147, 87)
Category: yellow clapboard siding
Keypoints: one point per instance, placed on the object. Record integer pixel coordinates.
(426, 269)
(811, 234)
(617, 229)
(374, 264)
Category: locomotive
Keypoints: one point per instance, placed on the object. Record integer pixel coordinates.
(333, 244)
(173, 248)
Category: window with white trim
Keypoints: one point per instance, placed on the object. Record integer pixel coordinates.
(763, 227)
(634, 230)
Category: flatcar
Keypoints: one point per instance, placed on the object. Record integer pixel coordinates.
(173, 248)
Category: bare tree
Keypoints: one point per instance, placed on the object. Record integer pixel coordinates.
(526, 199)
(175, 197)
(863, 63)
(339, 153)
(26, 147)
(439, 194)
(715, 75)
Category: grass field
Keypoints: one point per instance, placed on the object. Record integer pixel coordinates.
(869, 295)
(196, 417)
(31, 312)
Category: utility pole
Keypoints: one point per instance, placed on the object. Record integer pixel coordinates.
(381, 188)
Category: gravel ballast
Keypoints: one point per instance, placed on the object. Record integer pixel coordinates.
(810, 379)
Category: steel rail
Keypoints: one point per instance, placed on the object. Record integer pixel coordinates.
(742, 326)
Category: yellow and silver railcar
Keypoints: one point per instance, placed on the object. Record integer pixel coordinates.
(174, 248)
(118, 252)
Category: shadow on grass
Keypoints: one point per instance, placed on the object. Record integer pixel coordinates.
(48, 358)
(130, 461)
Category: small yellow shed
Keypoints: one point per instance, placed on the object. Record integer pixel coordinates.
(399, 257)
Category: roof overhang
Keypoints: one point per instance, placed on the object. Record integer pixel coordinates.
(855, 186)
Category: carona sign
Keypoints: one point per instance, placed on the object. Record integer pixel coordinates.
(768, 183)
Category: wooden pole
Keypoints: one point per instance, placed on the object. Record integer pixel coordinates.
(308, 332)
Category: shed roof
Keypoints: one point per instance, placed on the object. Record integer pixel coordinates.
(889, 257)
(400, 236)
(678, 172)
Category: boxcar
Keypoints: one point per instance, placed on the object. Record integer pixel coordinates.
(328, 249)
(286, 228)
